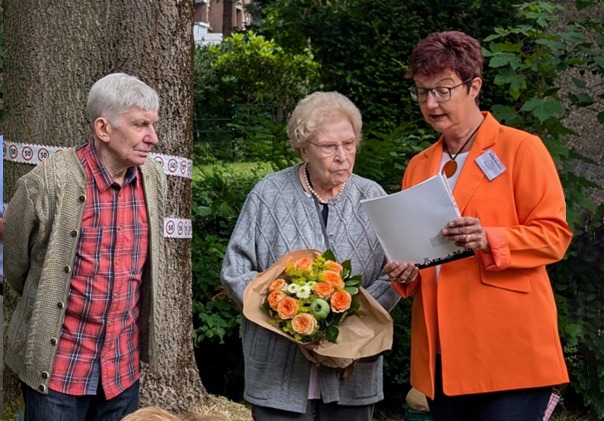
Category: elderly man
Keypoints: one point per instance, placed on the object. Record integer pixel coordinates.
(84, 240)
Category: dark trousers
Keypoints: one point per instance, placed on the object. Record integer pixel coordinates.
(58, 406)
(316, 410)
(512, 405)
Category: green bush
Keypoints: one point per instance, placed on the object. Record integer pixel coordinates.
(579, 287)
(260, 138)
(219, 191)
(218, 194)
(383, 157)
(247, 84)
(396, 362)
(246, 68)
(528, 60)
(363, 47)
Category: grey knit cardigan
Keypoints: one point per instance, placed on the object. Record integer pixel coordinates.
(278, 217)
(42, 227)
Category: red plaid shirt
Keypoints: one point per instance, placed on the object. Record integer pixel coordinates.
(100, 336)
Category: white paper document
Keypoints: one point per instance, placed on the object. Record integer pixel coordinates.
(409, 223)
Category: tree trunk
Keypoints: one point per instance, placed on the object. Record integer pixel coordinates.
(54, 52)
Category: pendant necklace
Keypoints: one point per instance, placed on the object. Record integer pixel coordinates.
(450, 166)
(314, 193)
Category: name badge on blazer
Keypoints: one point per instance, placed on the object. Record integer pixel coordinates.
(490, 164)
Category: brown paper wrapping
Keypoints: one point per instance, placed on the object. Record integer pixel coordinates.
(366, 334)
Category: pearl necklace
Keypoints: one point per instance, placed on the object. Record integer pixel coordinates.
(314, 193)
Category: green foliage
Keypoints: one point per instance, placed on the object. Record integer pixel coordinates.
(579, 288)
(248, 69)
(217, 199)
(396, 362)
(363, 47)
(244, 89)
(259, 138)
(529, 59)
(383, 156)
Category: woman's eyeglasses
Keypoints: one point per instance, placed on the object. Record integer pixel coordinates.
(330, 149)
(440, 93)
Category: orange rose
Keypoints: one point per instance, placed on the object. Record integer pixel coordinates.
(323, 290)
(304, 324)
(275, 297)
(278, 284)
(287, 308)
(340, 301)
(333, 278)
(303, 263)
(331, 265)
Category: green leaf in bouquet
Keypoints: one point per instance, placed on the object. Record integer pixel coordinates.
(354, 281)
(331, 334)
(352, 290)
(347, 265)
(328, 255)
(354, 307)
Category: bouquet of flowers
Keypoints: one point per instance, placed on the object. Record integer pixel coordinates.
(285, 300)
(312, 297)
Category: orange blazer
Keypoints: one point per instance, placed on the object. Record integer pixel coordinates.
(493, 315)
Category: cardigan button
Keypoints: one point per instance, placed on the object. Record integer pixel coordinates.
(74, 233)
(45, 375)
(82, 198)
(61, 304)
(67, 269)
(42, 388)
(53, 341)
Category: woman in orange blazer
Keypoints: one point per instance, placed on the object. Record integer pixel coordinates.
(484, 341)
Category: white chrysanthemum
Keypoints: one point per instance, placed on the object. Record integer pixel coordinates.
(293, 288)
(303, 291)
(311, 284)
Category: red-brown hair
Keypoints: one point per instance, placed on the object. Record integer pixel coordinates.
(442, 51)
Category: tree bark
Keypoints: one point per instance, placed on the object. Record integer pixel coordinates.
(54, 52)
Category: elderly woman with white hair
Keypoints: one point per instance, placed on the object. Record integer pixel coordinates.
(312, 205)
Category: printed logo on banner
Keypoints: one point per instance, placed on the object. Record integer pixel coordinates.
(13, 152)
(34, 154)
(27, 153)
(170, 227)
(159, 159)
(178, 228)
(43, 153)
(172, 165)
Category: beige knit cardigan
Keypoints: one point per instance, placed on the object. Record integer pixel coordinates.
(42, 227)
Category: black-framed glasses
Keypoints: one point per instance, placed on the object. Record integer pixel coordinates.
(440, 93)
(330, 149)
